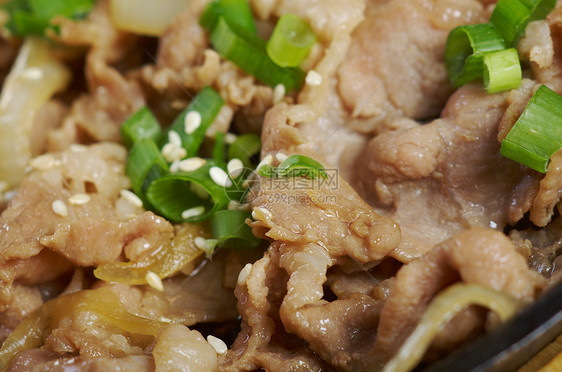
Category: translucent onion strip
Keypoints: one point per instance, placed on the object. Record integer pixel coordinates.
(441, 310)
(31, 333)
(165, 262)
(145, 17)
(34, 78)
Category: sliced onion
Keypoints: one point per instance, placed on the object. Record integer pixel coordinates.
(34, 78)
(145, 17)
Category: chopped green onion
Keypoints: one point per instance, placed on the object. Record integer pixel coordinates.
(248, 52)
(268, 171)
(512, 16)
(219, 149)
(465, 50)
(244, 148)
(207, 103)
(144, 164)
(502, 70)
(301, 166)
(188, 196)
(295, 166)
(291, 41)
(236, 12)
(537, 134)
(142, 124)
(231, 231)
(33, 17)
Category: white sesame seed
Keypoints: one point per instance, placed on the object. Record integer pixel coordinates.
(235, 167)
(174, 138)
(167, 150)
(201, 243)
(76, 147)
(281, 157)
(278, 93)
(313, 78)
(175, 166)
(220, 177)
(192, 164)
(261, 213)
(171, 152)
(217, 344)
(79, 199)
(131, 198)
(32, 73)
(43, 162)
(233, 205)
(154, 281)
(268, 160)
(192, 121)
(192, 212)
(59, 208)
(230, 138)
(178, 153)
(244, 274)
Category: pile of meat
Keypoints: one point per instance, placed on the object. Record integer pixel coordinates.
(418, 198)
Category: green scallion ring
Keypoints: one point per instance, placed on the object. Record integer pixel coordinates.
(502, 71)
(248, 53)
(236, 12)
(144, 164)
(301, 166)
(291, 41)
(465, 50)
(244, 147)
(510, 17)
(537, 134)
(188, 196)
(230, 230)
(142, 124)
(206, 105)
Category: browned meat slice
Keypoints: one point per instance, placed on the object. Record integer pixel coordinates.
(440, 178)
(541, 248)
(538, 194)
(314, 228)
(478, 255)
(536, 45)
(98, 115)
(185, 31)
(327, 213)
(26, 301)
(394, 66)
(262, 341)
(87, 232)
(551, 74)
(327, 18)
(549, 193)
(49, 117)
(82, 330)
(332, 21)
